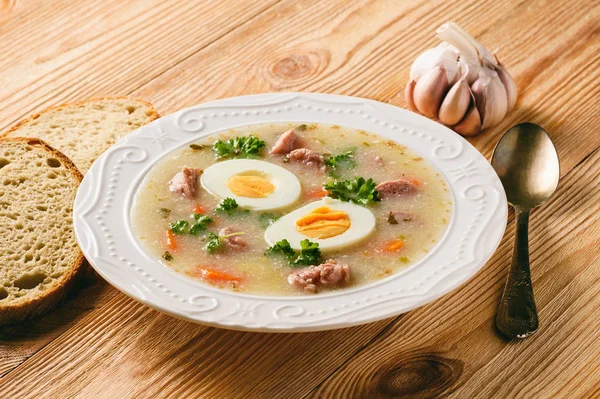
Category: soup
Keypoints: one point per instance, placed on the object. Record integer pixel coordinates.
(287, 209)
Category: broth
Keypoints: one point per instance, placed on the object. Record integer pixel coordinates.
(425, 214)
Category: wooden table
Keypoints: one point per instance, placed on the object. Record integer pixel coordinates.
(179, 53)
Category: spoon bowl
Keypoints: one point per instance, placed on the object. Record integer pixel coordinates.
(527, 163)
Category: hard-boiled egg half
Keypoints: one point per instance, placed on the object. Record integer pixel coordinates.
(254, 184)
(331, 223)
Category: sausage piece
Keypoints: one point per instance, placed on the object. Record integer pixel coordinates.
(328, 273)
(285, 143)
(393, 188)
(307, 157)
(185, 182)
(235, 243)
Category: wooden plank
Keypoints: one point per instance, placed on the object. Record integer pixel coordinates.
(144, 353)
(20, 341)
(451, 347)
(363, 48)
(336, 51)
(61, 50)
(383, 18)
(52, 50)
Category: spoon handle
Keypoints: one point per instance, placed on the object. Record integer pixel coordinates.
(517, 314)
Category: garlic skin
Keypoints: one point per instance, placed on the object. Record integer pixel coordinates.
(460, 83)
(443, 55)
(509, 85)
(456, 103)
(490, 98)
(430, 90)
(471, 123)
(409, 94)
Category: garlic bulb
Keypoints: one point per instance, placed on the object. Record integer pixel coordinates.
(460, 83)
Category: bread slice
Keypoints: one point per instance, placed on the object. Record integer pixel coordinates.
(84, 130)
(39, 256)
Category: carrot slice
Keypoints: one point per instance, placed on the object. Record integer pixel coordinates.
(171, 243)
(317, 193)
(393, 246)
(199, 209)
(215, 276)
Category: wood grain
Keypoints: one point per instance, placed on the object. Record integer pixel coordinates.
(163, 52)
(451, 347)
(366, 51)
(45, 55)
(61, 50)
(19, 342)
(142, 353)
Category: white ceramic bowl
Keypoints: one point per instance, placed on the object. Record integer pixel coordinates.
(102, 216)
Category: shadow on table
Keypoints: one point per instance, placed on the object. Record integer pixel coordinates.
(20, 341)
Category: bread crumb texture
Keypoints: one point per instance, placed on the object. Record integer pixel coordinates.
(84, 130)
(38, 249)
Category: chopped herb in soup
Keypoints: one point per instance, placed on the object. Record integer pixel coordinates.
(283, 209)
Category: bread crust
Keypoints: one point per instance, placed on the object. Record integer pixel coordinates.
(153, 116)
(14, 313)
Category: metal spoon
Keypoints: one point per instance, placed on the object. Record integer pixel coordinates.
(526, 161)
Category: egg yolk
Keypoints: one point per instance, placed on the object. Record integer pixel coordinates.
(323, 223)
(251, 186)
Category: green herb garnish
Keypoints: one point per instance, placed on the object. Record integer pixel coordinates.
(267, 219)
(239, 147)
(309, 255)
(180, 226)
(282, 248)
(227, 205)
(201, 223)
(167, 256)
(197, 147)
(345, 159)
(213, 243)
(302, 127)
(358, 191)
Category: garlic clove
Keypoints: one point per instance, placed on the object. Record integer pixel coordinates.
(442, 55)
(456, 103)
(409, 95)
(430, 90)
(470, 125)
(509, 85)
(490, 98)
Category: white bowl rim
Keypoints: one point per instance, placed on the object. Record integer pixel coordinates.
(103, 205)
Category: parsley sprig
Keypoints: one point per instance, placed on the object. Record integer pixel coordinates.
(181, 227)
(239, 147)
(214, 241)
(310, 253)
(227, 205)
(267, 219)
(282, 247)
(202, 222)
(358, 191)
(336, 162)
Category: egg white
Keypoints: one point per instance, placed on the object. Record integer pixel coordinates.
(287, 186)
(362, 223)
